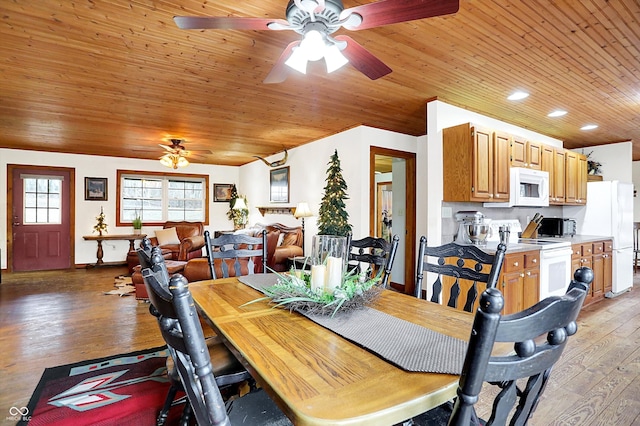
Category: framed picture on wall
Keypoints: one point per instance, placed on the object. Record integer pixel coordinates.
(279, 185)
(95, 189)
(222, 192)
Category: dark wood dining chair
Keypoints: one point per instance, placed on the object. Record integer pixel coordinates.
(539, 335)
(458, 269)
(192, 355)
(378, 253)
(234, 255)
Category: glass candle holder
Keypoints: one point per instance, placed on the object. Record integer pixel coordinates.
(328, 261)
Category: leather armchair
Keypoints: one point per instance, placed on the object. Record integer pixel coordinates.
(191, 236)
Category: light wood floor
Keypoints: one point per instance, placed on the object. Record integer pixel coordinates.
(54, 318)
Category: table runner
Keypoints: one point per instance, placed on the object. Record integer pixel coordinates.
(407, 345)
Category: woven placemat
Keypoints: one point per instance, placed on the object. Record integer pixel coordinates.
(402, 343)
(259, 281)
(407, 345)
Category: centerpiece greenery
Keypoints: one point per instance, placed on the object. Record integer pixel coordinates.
(293, 291)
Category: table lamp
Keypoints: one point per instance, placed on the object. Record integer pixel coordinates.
(302, 211)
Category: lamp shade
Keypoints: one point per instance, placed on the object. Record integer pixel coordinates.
(240, 204)
(302, 210)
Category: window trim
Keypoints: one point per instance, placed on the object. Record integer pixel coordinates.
(120, 173)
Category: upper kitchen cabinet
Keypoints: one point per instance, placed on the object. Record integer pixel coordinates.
(552, 161)
(475, 164)
(526, 153)
(576, 178)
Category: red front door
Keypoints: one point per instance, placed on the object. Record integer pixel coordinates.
(41, 219)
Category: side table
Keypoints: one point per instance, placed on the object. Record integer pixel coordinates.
(100, 238)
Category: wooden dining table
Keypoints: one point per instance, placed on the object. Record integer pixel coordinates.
(318, 377)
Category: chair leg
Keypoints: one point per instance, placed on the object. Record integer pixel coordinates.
(168, 402)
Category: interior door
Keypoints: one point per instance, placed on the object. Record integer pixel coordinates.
(396, 194)
(41, 218)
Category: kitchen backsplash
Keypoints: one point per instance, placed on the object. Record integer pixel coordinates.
(523, 214)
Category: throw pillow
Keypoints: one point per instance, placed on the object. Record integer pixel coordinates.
(167, 236)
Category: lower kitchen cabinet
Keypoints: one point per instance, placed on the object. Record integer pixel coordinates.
(520, 281)
(596, 255)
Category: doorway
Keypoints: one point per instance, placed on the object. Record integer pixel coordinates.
(392, 194)
(41, 218)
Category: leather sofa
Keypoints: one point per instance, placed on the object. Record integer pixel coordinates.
(290, 239)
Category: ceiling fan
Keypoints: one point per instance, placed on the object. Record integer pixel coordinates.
(316, 20)
(175, 154)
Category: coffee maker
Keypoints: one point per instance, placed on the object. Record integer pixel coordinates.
(472, 228)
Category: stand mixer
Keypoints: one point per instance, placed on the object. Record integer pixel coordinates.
(472, 228)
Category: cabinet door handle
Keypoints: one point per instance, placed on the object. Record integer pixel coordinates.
(515, 263)
(521, 275)
(529, 273)
(534, 261)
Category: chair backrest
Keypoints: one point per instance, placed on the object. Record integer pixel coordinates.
(234, 255)
(533, 356)
(378, 253)
(458, 269)
(173, 306)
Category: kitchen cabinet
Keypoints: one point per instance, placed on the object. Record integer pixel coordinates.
(547, 158)
(559, 177)
(596, 255)
(526, 153)
(475, 164)
(520, 281)
(576, 178)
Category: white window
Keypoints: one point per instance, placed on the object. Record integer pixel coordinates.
(158, 198)
(42, 197)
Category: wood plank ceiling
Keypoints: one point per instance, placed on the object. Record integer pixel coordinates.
(118, 77)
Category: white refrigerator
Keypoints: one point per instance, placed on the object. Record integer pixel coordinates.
(609, 213)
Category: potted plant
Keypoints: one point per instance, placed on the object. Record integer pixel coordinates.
(137, 224)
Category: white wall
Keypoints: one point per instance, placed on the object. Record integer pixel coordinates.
(308, 171)
(86, 211)
(615, 159)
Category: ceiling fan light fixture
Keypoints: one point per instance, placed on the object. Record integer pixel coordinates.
(334, 58)
(173, 161)
(297, 60)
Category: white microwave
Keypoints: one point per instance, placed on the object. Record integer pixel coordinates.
(528, 187)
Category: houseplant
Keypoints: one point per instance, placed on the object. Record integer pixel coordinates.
(137, 224)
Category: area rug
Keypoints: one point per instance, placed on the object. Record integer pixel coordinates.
(124, 286)
(123, 389)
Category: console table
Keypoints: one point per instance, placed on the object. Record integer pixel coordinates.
(100, 238)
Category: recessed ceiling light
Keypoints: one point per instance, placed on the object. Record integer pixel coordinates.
(589, 127)
(557, 113)
(516, 96)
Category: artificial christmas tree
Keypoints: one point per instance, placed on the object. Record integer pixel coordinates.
(333, 217)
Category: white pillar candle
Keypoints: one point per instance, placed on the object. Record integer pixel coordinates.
(334, 272)
(317, 277)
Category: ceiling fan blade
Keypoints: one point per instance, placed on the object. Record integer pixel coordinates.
(387, 12)
(363, 60)
(280, 70)
(226, 23)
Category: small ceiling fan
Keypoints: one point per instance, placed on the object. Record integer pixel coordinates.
(316, 20)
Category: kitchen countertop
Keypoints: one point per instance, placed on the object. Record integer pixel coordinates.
(520, 247)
